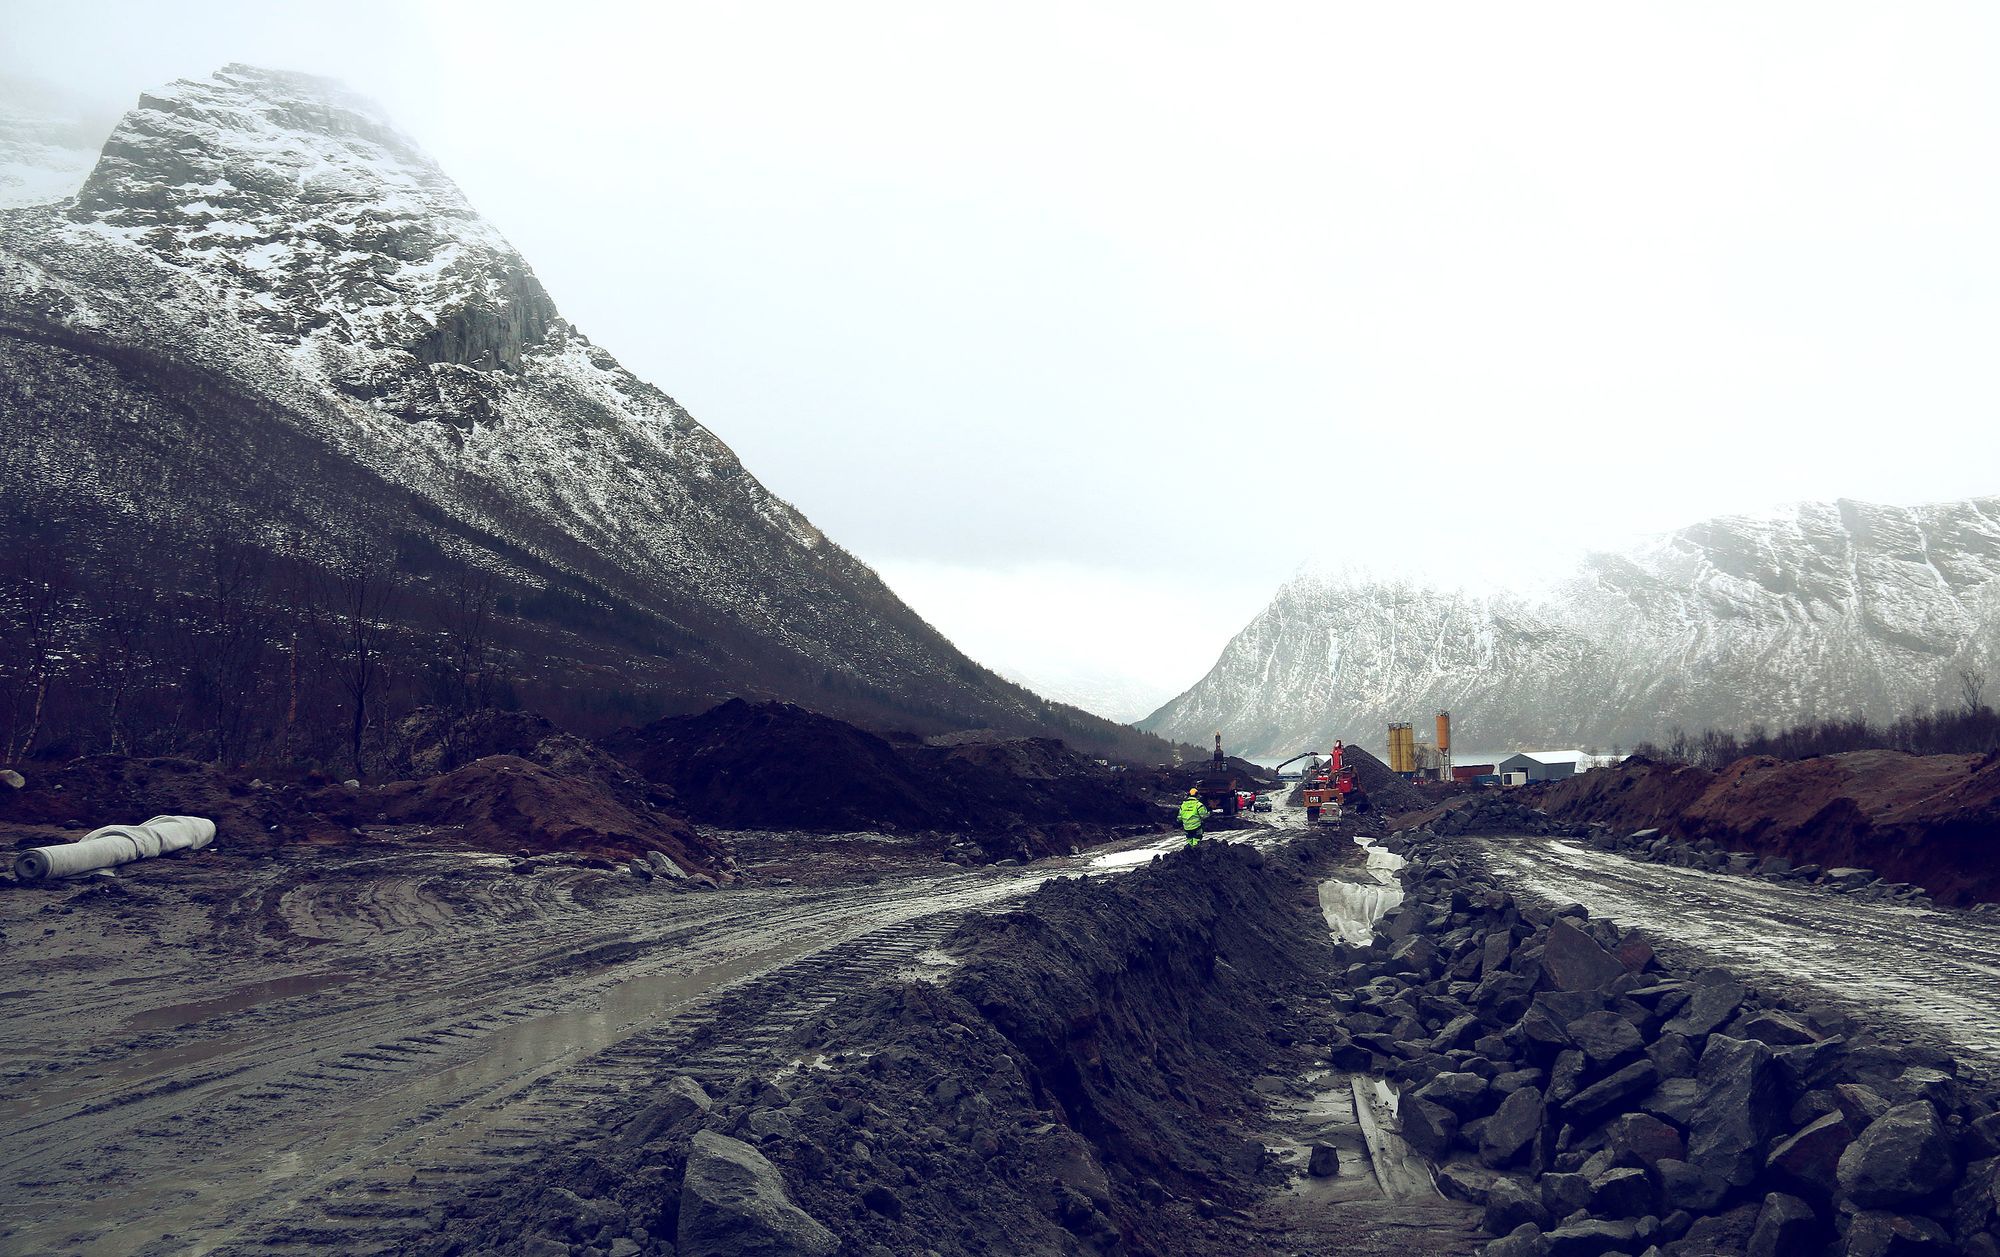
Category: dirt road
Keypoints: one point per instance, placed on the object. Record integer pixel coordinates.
(1918, 974)
(217, 1054)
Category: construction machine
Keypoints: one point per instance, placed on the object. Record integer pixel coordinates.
(1331, 788)
(1218, 786)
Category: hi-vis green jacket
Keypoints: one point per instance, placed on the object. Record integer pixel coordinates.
(1193, 813)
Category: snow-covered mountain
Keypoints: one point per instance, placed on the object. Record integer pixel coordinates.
(267, 310)
(1830, 609)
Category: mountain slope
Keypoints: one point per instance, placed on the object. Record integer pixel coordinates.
(1831, 610)
(268, 312)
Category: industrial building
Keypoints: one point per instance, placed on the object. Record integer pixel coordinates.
(1545, 766)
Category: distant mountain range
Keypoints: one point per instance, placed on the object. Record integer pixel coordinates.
(267, 313)
(1831, 609)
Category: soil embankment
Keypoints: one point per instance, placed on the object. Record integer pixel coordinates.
(1067, 1083)
(1927, 820)
(776, 766)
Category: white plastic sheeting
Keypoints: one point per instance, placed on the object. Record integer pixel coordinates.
(114, 845)
(1351, 909)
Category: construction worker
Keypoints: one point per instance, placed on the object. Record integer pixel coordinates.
(1193, 813)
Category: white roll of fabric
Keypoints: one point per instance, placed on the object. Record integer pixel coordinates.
(114, 845)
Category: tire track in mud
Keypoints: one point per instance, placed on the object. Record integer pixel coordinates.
(439, 1068)
(1896, 967)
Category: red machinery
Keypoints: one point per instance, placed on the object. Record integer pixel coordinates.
(1330, 787)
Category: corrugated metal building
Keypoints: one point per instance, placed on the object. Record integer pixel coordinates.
(1548, 765)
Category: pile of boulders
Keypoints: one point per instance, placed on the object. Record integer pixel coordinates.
(1593, 1101)
(1498, 814)
(1863, 884)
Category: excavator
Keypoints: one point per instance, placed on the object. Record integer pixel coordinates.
(1330, 787)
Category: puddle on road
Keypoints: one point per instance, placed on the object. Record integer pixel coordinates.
(173, 1015)
(1351, 908)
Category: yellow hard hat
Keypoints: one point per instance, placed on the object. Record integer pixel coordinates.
(1194, 790)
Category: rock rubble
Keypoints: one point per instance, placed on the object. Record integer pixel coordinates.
(1600, 1102)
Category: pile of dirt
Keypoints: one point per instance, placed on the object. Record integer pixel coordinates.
(509, 804)
(1070, 1088)
(777, 766)
(1387, 792)
(117, 790)
(1926, 820)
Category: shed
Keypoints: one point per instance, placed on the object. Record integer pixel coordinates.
(1548, 765)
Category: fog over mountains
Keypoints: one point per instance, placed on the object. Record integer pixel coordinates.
(1831, 609)
(269, 315)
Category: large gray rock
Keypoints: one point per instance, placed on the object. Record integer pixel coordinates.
(673, 1102)
(1642, 1140)
(1902, 1158)
(1573, 961)
(1511, 1132)
(735, 1204)
(1877, 1234)
(1621, 1193)
(1707, 1009)
(1785, 1225)
(1463, 1094)
(1742, 1106)
(1592, 1237)
(1611, 1095)
(1605, 1037)
(1428, 1127)
(1808, 1161)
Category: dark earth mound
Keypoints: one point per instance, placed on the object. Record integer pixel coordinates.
(1924, 819)
(506, 803)
(1069, 1088)
(117, 790)
(777, 766)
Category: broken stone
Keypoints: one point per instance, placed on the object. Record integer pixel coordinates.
(1878, 1234)
(1902, 1158)
(1742, 1104)
(1809, 1160)
(1324, 1161)
(1775, 1029)
(1642, 1140)
(735, 1204)
(1428, 1127)
(1510, 1133)
(1573, 961)
(1592, 1237)
(1708, 1008)
(1785, 1225)
(1684, 1185)
(1622, 1193)
(1600, 1099)
(1605, 1037)
(1463, 1094)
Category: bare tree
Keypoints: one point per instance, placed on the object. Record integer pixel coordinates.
(349, 602)
(1971, 690)
(40, 604)
(465, 615)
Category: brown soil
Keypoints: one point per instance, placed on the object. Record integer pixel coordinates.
(776, 766)
(505, 803)
(1926, 819)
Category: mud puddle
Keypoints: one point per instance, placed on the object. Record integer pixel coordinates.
(180, 1016)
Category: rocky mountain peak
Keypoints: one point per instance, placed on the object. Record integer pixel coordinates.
(324, 228)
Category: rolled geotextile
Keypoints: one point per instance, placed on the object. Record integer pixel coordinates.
(114, 845)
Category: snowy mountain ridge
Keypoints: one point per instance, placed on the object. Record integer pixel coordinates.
(393, 370)
(1825, 610)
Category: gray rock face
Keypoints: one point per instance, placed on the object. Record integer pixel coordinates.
(1510, 1133)
(1878, 1234)
(1707, 1009)
(1741, 1106)
(1611, 1095)
(735, 1204)
(1808, 1160)
(1605, 1037)
(1574, 961)
(1785, 1225)
(1903, 1157)
(1841, 605)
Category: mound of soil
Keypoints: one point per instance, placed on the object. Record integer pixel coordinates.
(506, 803)
(116, 790)
(1924, 819)
(1071, 1088)
(777, 766)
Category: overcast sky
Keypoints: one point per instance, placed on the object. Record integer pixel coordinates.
(1162, 301)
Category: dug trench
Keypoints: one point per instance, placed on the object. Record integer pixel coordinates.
(1102, 1069)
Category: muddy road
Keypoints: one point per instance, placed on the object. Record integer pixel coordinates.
(1916, 974)
(333, 1037)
